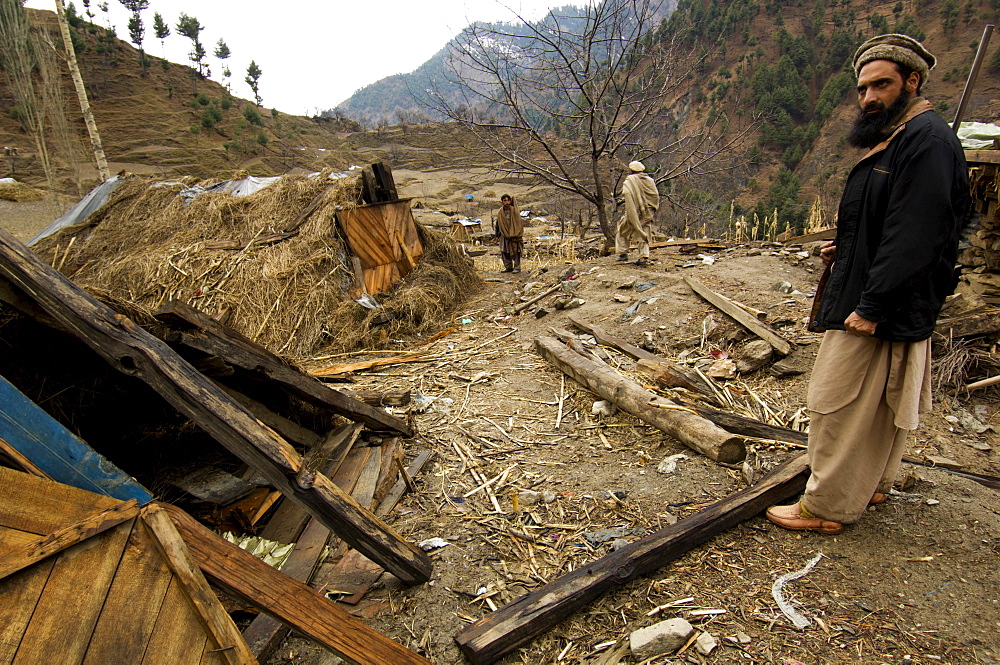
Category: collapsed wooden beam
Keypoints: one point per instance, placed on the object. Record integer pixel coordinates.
(196, 330)
(134, 352)
(495, 635)
(294, 603)
(741, 316)
(679, 422)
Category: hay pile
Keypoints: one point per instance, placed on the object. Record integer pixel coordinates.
(18, 192)
(145, 247)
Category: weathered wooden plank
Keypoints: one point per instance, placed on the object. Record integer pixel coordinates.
(512, 625)
(43, 547)
(197, 330)
(134, 352)
(296, 604)
(19, 595)
(58, 452)
(741, 316)
(209, 610)
(178, 638)
(20, 460)
(75, 588)
(330, 451)
(41, 506)
(131, 606)
(12, 539)
(396, 493)
(679, 422)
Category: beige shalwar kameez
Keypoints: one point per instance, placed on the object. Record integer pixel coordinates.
(641, 203)
(865, 396)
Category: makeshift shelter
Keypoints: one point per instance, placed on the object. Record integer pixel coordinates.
(276, 259)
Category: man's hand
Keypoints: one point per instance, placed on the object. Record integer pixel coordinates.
(827, 252)
(860, 326)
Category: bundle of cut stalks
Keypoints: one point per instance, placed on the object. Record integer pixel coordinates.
(237, 257)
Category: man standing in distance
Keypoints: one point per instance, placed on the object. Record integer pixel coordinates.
(893, 264)
(510, 228)
(641, 201)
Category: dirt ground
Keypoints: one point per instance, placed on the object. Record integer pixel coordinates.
(914, 582)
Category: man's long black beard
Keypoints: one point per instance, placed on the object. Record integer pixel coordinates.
(870, 128)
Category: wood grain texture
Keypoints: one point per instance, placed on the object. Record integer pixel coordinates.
(741, 316)
(213, 617)
(296, 604)
(45, 546)
(41, 506)
(76, 587)
(177, 637)
(19, 596)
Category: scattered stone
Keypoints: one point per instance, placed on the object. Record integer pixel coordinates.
(540, 312)
(932, 502)
(433, 544)
(970, 423)
(668, 518)
(981, 446)
(752, 356)
(783, 287)
(628, 284)
(669, 464)
(705, 644)
(601, 536)
(660, 638)
(722, 369)
(618, 543)
(645, 286)
(603, 407)
(573, 303)
(528, 498)
(743, 638)
(622, 298)
(548, 496)
(753, 251)
(787, 367)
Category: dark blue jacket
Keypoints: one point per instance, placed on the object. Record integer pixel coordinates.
(903, 208)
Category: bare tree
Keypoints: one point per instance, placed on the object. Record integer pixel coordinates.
(569, 100)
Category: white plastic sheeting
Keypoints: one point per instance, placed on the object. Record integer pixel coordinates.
(91, 202)
(977, 135)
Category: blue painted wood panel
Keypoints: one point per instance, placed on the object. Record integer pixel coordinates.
(58, 452)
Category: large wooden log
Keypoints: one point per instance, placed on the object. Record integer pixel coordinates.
(680, 375)
(679, 422)
(512, 625)
(197, 330)
(134, 352)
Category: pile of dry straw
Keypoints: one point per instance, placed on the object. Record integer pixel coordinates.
(146, 247)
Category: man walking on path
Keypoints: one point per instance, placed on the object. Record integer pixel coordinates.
(641, 202)
(510, 229)
(892, 265)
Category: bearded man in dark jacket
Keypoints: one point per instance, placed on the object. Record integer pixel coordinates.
(891, 267)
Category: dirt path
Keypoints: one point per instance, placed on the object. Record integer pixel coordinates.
(914, 582)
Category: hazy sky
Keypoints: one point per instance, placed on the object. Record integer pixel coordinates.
(314, 54)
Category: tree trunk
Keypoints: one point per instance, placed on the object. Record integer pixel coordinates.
(682, 423)
(81, 93)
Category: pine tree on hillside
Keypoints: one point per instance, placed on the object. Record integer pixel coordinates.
(253, 80)
(223, 53)
(162, 31)
(136, 28)
(189, 27)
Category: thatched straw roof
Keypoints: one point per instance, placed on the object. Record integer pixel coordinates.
(240, 258)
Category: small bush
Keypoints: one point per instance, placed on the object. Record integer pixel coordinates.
(261, 137)
(252, 115)
(226, 103)
(195, 129)
(201, 99)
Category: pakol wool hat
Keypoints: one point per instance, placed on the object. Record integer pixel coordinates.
(638, 167)
(897, 48)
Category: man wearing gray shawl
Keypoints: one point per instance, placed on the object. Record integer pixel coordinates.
(641, 202)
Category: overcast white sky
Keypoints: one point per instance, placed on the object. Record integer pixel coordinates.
(313, 54)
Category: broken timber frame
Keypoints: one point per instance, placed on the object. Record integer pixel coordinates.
(679, 422)
(196, 330)
(495, 635)
(134, 352)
